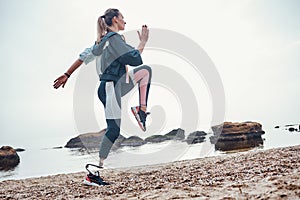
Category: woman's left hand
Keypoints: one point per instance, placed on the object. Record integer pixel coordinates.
(144, 34)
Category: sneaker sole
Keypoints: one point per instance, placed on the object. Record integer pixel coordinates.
(85, 182)
(137, 117)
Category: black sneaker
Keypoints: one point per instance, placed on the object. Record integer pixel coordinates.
(140, 116)
(93, 179)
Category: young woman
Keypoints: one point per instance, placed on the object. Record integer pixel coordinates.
(112, 56)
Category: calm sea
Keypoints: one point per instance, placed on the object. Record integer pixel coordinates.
(39, 160)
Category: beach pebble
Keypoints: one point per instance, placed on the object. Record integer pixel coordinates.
(268, 174)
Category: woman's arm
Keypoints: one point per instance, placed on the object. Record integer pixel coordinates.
(62, 80)
(141, 46)
(143, 38)
(86, 56)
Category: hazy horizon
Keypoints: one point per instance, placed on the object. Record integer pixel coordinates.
(255, 46)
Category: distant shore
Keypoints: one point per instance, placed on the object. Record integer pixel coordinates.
(261, 174)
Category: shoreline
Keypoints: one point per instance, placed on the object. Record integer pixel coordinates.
(272, 173)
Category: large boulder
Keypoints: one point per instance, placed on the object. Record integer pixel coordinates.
(232, 136)
(196, 137)
(91, 141)
(8, 158)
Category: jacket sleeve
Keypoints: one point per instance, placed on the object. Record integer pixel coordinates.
(87, 55)
(126, 54)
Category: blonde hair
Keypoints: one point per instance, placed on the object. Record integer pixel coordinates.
(104, 21)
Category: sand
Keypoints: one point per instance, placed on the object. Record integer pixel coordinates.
(258, 174)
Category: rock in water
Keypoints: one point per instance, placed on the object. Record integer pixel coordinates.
(176, 134)
(8, 158)
(19, 150)
(133, 141)
(292, 129)
(156, 138)
(91, 141)
(232, 136)
(196, 137)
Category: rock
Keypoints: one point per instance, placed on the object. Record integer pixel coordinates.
(292, 129)
(19, 150)
(8, 158)
(229, 128)
(76, 142)
(196, 137)
(156, 138)
(91, 141)
(225, 135)
(132, 141)
(288, 125)
(60, 147)
(176, 134)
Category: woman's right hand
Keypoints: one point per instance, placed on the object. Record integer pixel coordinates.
(144, 34)
(60, 81)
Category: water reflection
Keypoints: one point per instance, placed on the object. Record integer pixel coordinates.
(241, 145)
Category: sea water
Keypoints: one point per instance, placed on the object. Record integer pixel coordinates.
(41, 159)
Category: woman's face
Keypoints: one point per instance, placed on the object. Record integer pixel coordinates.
(120, 21)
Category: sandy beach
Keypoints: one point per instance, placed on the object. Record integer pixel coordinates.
(258, 174)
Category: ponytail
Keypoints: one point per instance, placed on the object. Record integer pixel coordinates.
(104, 21)
(101, 28)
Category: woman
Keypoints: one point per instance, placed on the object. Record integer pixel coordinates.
(112, 55)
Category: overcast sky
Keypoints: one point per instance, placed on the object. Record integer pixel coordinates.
(255, 46)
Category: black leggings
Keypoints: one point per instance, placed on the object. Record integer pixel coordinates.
(110, 94)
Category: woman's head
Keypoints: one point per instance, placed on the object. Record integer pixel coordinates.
(111, 20)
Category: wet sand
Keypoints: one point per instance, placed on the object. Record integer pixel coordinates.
(259, 174)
